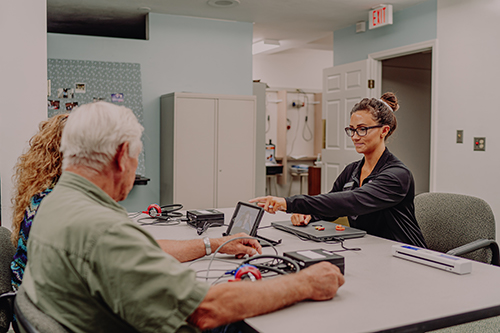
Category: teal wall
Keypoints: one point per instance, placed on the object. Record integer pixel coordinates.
(411, 25)
(182, 54)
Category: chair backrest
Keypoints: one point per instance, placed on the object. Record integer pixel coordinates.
(31, 319)
(7, 251)
(451, 220)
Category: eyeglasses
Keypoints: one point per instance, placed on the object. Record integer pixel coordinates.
(361, 131)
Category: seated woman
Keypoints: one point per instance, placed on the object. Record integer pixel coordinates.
(36, 173)
(376, 193)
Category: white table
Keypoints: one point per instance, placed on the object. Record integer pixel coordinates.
(381, 293)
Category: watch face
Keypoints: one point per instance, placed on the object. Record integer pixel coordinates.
(153, 212)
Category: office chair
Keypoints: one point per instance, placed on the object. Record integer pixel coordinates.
(459, 225)
(7, 251)
(31, 319)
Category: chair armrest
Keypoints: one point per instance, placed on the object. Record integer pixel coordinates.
(6, 310)
(9, 294)
(476, 245)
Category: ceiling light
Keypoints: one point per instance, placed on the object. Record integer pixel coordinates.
(265, 45)
(223, 3)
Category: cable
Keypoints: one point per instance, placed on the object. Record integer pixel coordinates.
(296, 132)
(268, 123)
(230, 240)
(159, 220)
(306, 124)
(200, 229)
(133, 215)
(172, 210)
(341, 240)
(217, 278)
(265, 227)
(277, 260)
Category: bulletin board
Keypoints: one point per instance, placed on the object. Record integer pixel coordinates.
(76, 82)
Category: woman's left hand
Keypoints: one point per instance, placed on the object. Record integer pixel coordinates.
(300, 219)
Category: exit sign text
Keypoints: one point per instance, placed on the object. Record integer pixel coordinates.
(380, 17)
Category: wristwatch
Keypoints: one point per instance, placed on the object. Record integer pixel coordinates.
(208, 248)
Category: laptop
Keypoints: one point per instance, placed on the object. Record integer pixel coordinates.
(246, 218)
(314, 230)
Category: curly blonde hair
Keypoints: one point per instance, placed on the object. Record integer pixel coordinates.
(37, 169)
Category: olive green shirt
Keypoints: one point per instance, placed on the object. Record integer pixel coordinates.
(94, 270)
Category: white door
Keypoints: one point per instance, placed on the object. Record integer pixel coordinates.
(236, 152)
(343, 86)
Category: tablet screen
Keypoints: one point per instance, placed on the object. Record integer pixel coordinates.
(246, 218)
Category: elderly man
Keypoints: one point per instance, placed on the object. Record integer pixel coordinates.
(94, 270)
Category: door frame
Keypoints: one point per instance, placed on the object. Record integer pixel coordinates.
(375, 68)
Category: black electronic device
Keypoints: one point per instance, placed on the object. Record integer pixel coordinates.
(246, 218)
(307, 258)
(205, 218)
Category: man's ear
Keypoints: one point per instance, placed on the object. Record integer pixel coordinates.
(121, 156)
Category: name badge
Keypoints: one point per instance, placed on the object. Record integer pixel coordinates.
(348, 185)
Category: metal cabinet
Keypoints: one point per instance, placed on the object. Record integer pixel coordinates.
(207, 148)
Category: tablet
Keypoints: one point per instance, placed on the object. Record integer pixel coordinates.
(246, 218)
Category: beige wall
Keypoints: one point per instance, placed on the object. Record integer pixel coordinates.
(467, 99)
(23, 92)
(297, 68)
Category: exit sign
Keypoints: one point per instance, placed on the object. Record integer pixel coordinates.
(380, 16)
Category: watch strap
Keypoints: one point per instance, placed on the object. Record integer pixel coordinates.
(208, 248)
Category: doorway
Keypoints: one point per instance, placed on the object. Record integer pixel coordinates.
(410, 72)
(410, 78)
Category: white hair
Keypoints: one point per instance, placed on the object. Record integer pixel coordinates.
(94, 131)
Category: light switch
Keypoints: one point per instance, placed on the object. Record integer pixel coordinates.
(460, 136)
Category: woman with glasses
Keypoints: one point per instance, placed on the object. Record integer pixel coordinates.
(376, 193)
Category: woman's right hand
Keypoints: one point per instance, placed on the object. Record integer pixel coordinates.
(300, 219)
(270, 204)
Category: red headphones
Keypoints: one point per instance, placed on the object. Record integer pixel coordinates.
(153, 210)
(247, 272)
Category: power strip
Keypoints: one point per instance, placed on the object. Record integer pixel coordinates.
(433, 258)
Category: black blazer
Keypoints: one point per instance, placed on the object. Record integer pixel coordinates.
(383, 206)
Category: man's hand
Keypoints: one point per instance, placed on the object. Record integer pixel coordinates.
(239, 247)
(323, 279)
(301, 219)
(230, 302)
(270, 204)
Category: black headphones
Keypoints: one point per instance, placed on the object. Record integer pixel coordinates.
(164, 212)
(254, 267)
(272, 263)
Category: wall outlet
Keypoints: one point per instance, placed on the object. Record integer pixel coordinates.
(480, 144)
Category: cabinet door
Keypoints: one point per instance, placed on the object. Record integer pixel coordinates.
(236, 152)
(194, 156)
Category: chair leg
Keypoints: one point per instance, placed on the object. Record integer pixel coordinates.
(276, 185)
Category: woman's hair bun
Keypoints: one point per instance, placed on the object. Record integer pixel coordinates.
(391, 100)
